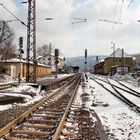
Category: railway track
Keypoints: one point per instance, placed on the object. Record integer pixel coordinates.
(51, 84)
(46, 84)
(138, 93)
(7, 85)
(45, 120)
(118, 94)
(125, 88)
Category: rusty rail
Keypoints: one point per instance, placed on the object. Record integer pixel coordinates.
(11, 126)
(62, 122)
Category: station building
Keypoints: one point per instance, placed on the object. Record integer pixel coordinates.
(118, 62)
(13, 67)
(50, 61)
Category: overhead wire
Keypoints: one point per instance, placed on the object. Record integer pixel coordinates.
(121, 6)
(124, 9)
(69, 12)
(13, 15)
(130, 3)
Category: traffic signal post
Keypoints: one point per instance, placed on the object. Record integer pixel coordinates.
(56, 52)
(21, 51)
(85, 60)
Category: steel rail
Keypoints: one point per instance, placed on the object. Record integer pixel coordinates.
(128, 87)
(128, 91)
(61, 124)
(10, 126)
(127, 101)
(120, 96)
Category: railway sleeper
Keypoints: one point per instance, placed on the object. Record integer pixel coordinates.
(49, 112)
(46, 116)
(39, 126)
(26, 137)
(73, 127)
(29, 132)
(69, 134)
(42, 121)
(16, 138)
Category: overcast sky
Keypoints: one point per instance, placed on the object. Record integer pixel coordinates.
(72, 39)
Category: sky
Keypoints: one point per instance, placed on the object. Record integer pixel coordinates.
(72, 39)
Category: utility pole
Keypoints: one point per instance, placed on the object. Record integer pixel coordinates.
(123, 61)
(31, 39)
(85, 60)
(113, 51)
(97, 59)
(31, 42)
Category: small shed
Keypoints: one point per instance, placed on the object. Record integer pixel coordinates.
(120, 69)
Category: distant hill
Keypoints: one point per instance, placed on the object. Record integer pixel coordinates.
(80, 61)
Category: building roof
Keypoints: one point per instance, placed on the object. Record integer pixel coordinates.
(118, 53)
(16, 60)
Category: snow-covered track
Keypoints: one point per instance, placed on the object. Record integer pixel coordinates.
(117, 93)
(44, 120)
(7, 85)
(138, 93)
(126, 89)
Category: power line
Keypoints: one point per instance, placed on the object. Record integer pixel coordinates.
(13, 15)
(69, 15)
(130, 3)
(68, 8)
(115, 22)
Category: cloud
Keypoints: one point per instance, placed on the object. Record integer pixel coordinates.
(93, 35)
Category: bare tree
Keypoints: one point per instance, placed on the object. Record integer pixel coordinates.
(44, 50)
(7, 49)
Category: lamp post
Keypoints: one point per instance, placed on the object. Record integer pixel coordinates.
(113, 51)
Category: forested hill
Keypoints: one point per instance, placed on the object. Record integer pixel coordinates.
(80, 61)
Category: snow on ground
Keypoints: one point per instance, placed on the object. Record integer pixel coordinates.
(53, 77)
(6, 79)
(119, 121)
(131, 97)
(19, 91)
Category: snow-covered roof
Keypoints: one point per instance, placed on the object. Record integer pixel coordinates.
(16, 60)
(59, 57)
(118, 53)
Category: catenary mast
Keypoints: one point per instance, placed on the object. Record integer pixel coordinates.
(31, 42)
